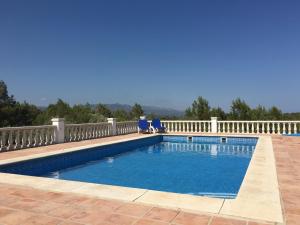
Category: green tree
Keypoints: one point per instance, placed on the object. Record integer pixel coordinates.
(25, 114)
(218, 112)
(259, 113)
(274, 113)
(103, 110)
(240, 110)
(60, 109)
(200, 109)
(81, 113)
(121, 115)
(7, 104)
(136, 111)
(4, 97)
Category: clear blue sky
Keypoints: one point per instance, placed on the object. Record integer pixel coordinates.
(157, 52)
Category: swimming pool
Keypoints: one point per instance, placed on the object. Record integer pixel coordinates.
(210, 166)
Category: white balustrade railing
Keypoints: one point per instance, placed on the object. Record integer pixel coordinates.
(233, 127)
(32, 136)
(78, 132)
(12, 138)
(259, 127)
(126, 127)
(192, 126)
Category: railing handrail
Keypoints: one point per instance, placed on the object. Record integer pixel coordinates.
(85, 124)
(124, 122)
(258, 121)
(27, 127)
(184, 121)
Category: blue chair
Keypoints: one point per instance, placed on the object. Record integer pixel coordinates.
(156, 124)
(143, 126)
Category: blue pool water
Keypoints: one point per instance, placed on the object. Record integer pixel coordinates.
(296, 134)
(201, 166)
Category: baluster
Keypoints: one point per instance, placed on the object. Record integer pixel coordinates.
(24, 139)
(41, 137)
(243, 128)
(204, 127)
(289, 128)
(69, 134)
(92, 135)
(209, 127)
(17, 140)
(295, 128)
(30, 138)
(36, 138)
(73, 133)
(3, 140)
(284, 128)
(10, 140)
(257, 128)
(47, 134)
(77, 132)
(81, 132)
(268, 128)
(86, 132)
(278, 128)
(263, 128)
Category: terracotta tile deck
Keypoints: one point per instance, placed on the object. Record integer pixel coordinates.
(23, 205)
(287, 154)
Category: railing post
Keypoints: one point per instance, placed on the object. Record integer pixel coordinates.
(214, 124)
(113, 122)
(59, 132)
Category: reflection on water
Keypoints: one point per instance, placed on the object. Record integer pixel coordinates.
(212, 149)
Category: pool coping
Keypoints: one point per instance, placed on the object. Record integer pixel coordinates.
(258, 197)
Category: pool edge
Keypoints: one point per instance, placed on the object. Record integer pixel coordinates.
(263, 157)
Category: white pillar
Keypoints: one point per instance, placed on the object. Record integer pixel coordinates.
(142, 117)
(214, 124)
(59, 136)
(113, 122)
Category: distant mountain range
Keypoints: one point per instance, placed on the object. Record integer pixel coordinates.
(159, 111)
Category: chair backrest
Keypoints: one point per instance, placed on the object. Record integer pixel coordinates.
(143, 124)
(156, 123)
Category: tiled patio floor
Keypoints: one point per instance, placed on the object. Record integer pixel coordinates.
(22, 205)
(287, 155)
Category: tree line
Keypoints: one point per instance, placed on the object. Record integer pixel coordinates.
(239, 110)
(14, 113)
